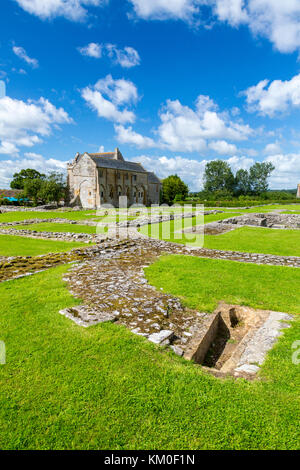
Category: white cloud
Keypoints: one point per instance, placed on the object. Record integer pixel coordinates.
(8, 148)
(191, 130)
(23, 123)
(29, 160)
(191, 171)
(223, 148)
(73, 10)
(231, 11)
(91, 50)
(277, 20)
(119, 91)
(287, 170)
(237, 163)
(272, 149)
(127, 57)
(106, 108)
(108, 96)
(269, 98)
(128, 136)
(165, 9)
(185, 129)
(21, 53)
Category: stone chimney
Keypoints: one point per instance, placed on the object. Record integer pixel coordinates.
(118, 155)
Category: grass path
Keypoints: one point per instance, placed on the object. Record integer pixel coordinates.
(67, 387)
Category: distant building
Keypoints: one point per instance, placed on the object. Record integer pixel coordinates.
(95, 179)
(10, 195)
(298, 191)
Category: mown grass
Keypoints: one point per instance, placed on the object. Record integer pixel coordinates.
(257, 240)
(67, 387)
(271, 208)
(204, 282)
(21, 246)
(291, 212)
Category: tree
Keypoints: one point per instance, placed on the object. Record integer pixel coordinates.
(32, 188)
(258, 176)
(20, 178)
(242, 183)
(218, 176)
(173, 186)
(52, 188)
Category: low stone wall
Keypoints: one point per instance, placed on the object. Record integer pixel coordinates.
(48, 207)
(61, 236)
(279, 221)
(156, 219)
(90, 223)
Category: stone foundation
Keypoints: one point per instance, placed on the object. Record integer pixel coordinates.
(278, 221)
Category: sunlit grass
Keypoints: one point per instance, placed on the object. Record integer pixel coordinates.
(22, 246)
(257, 240)
(67, 387)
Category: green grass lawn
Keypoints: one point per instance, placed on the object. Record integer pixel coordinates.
(271, 208)
(67, 387)
(22, 246)
(291, 212)
(257, 240)
(202, 283)
(54, 227)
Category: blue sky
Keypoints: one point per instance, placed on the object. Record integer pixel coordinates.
(172, 83)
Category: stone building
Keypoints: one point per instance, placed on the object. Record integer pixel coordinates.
(95, 179)
(298, 191)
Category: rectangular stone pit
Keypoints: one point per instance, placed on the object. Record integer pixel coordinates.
(222, 339)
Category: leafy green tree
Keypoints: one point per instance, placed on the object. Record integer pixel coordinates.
(53, 189)
(174, 186)
(20, 178)
(258, 176)
(242, 183)
(32, 188)
(218, 176)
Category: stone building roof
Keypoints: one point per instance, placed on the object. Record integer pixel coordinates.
(152, 178)
(103, 155)
(104, 162)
